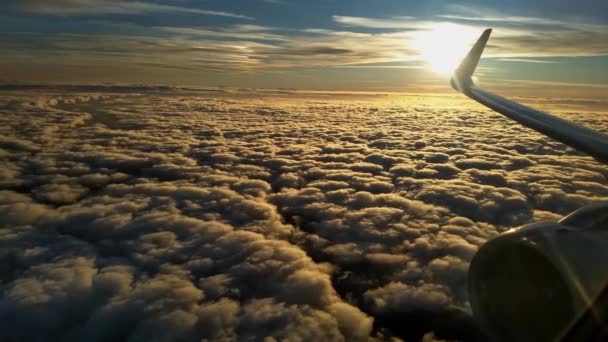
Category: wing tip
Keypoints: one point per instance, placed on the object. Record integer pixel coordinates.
(461, 79)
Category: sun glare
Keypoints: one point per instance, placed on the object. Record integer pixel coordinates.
(444, 46)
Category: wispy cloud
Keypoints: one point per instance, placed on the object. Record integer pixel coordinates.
(276, 2)
(237, 48)
(247, 32)
(406, 23)
(526, 60)
(536, 83)
(380, 66)
(494, 18)
(514, 36)
(356, 43)
(98, 7)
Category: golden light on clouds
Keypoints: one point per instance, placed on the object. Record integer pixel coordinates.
(444, 46)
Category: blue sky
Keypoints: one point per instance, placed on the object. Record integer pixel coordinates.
(312, 44)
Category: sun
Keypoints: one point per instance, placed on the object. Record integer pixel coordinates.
(444, 46)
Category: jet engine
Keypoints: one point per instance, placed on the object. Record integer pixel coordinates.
(545, 281)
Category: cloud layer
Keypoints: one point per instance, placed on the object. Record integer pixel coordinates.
(180, 215)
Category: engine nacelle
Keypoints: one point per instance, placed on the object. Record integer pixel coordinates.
(545, 281)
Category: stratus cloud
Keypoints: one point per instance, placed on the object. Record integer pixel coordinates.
(97, 7)
(185, 215)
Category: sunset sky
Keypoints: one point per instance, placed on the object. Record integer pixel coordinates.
(318, 44)
(299, 170)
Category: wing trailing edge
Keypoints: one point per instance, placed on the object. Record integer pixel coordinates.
(581, 138)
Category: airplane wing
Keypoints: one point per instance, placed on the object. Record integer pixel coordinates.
(584, 139)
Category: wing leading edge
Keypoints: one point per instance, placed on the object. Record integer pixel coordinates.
(581, 138)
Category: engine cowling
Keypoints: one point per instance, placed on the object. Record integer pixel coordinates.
(544, 281)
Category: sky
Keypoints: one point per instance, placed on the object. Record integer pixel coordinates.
(547, 47)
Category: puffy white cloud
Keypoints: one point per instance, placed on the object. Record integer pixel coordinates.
(177, 217)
